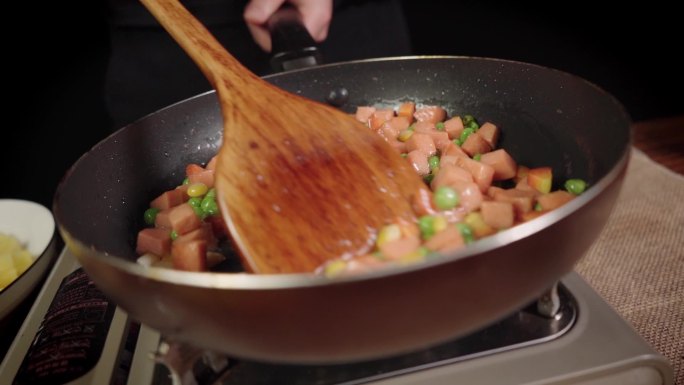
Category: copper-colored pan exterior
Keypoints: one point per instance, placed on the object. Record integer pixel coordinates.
(547, 117)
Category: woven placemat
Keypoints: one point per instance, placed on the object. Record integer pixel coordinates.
(637, 264)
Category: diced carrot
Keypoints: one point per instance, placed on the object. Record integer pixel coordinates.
(482, 173)
(490, 133)
(153, 240)
(498, 215)
(540, 178)
(554, 200)
(432, 114)
(478, 225)
(523, 186)
(182, 218)
(421, 142)
(169, 199)
(364, 113)
(454, 127)
(193, 169)
(475, 144)
(400, 247)
(206, 177)
(406, 110)
(503, 164)
(212, 163)
(446, 240)
(419, 162)
(189, 256)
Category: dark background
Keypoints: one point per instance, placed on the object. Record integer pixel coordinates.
(56, 59)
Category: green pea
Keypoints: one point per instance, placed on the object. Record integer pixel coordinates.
(458, 142)
(466, 232)
(186, 181)
(150, 215)
(428, 178)
(405, 135)
(446, 198)
(195, 201)
(538, 207)
(199, 212)
(433, 161)
(477, 157)
(426, 224)
(575, 186)
(404, 155)
(467, 119)
(473, 125)
(173, 235)
(439, 126)
(465, 134)
(209, 206)
(211, 193)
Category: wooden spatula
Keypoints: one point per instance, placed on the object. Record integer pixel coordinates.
(298, 182)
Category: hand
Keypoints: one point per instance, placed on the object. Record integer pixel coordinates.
(316, 16)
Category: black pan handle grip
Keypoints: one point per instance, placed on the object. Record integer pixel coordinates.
(292, 45)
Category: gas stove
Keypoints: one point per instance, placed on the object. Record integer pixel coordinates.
(73, 334)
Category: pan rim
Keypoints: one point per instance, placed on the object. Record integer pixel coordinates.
(247, 281)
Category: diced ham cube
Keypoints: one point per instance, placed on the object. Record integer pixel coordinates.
(379, 118)
(498, 215)
(446, 240)
(454, 127)
(154, 241)
(193, 168)
(364, 113)
(490, 133)
(212, 163)
(503, 164)
(554, 200)
(454, 150)
(419, 162)
(421, 142)
(169, 199)
(475, 144)
(424, 127)
(523, 186)
(493, 190)
(398, 145)
(448, 174)
(400, 247)
(470, 196)
(189, 256)
(407, 110)
(206, 177)
(203, 233)
(432, 114)
(398, 123)
(422, 203)
(482, 173)
(441, 139)
(182, 219)
(521, 200)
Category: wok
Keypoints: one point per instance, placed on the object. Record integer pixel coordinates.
(547, 118)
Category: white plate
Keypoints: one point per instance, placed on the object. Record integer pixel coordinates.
(33, 225)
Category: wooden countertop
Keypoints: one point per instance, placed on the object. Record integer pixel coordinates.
(662, 140)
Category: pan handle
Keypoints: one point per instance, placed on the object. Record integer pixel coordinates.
(293, 46)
